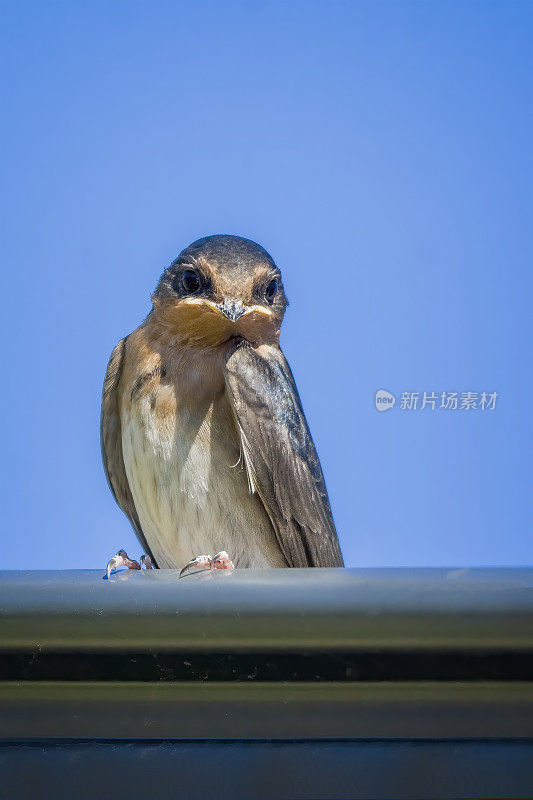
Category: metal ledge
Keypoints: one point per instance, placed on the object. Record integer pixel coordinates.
(425, 710)
(321, 610)
(275, 683)
(263, 770)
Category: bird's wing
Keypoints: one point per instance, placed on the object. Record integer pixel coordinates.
(111, 441)
(280, 457)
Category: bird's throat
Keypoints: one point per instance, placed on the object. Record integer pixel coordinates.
(202, 325)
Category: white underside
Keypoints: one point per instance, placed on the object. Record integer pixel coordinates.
(190, 488)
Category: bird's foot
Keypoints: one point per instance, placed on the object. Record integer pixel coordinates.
(122, 559)
(202, 563)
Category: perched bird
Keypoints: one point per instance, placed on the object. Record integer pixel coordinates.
(204, 440)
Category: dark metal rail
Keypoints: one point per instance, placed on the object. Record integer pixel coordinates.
(316, 609)
(392, 669)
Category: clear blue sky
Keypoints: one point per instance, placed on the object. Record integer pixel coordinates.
(381, 151)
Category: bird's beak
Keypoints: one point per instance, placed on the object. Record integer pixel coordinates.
(232, 309)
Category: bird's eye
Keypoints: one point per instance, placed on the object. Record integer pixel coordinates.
(270, 291)
(189, 282)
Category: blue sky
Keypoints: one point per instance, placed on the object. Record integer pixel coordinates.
(381, 151)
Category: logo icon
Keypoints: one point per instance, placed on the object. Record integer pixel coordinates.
(384, 400)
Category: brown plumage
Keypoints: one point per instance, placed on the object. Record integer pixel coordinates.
(204, 440)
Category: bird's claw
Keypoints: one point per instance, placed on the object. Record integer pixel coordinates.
(201, 563)
(122, 559)
(197, 564)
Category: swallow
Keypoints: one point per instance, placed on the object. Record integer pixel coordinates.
(204, 441)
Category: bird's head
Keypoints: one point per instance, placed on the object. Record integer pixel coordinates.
(218, 289)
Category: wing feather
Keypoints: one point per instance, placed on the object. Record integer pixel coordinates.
(280, 456)
(111, 441)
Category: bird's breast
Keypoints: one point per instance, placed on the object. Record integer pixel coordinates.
(185, 470)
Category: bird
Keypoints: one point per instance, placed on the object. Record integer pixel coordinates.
(205, 444)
